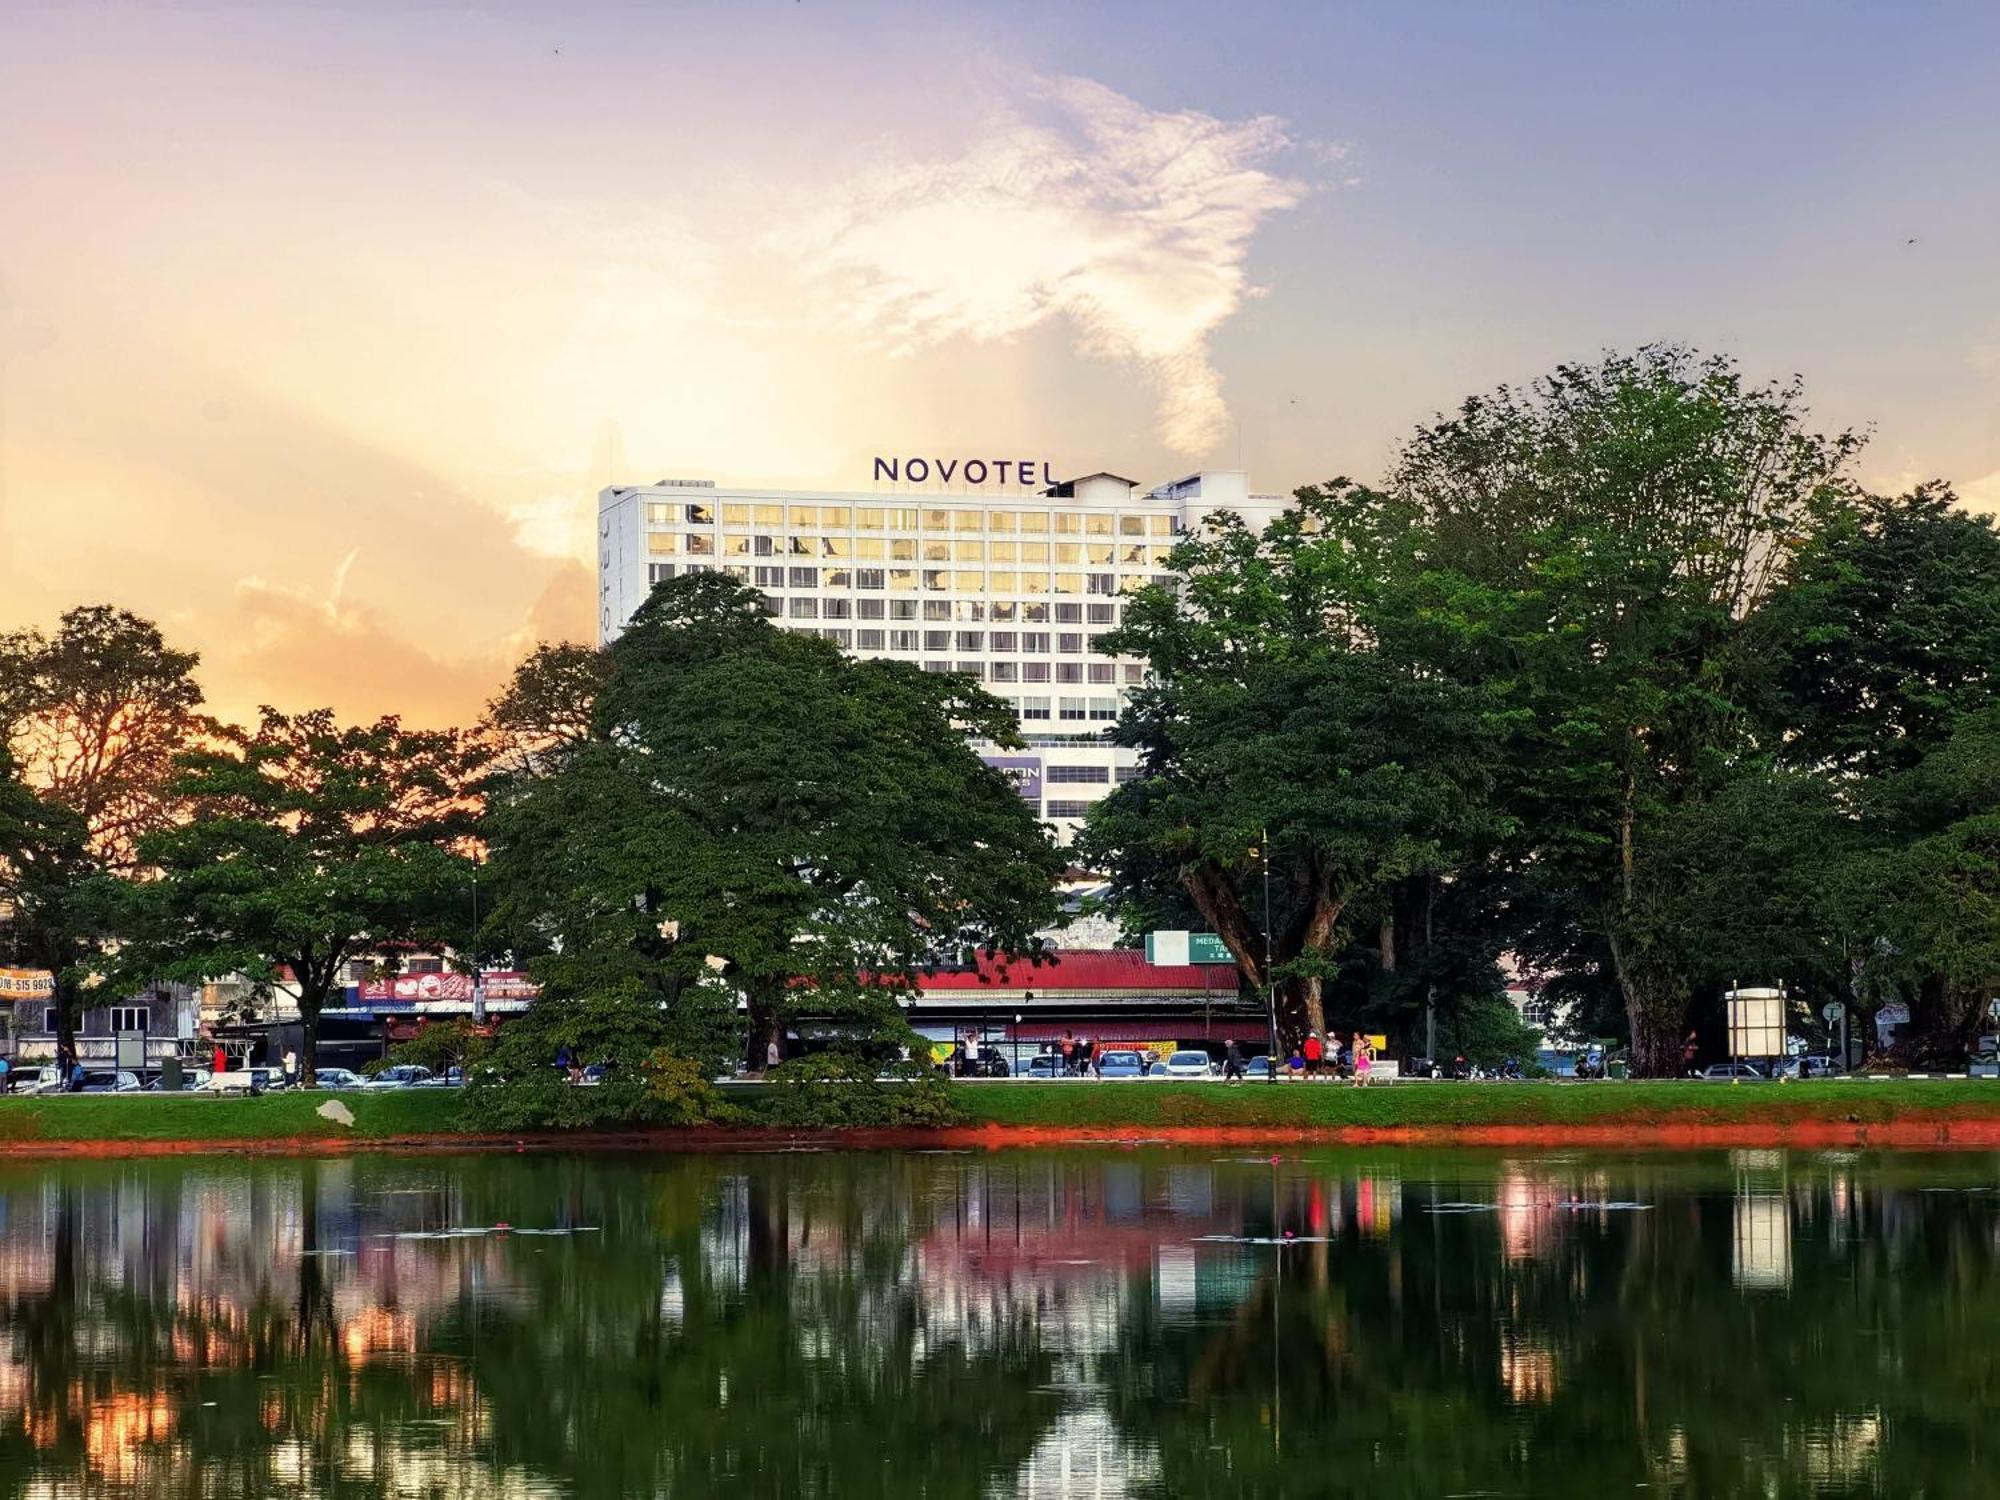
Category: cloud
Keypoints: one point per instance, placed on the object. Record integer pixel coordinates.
(1982, 494)
(1132, 225)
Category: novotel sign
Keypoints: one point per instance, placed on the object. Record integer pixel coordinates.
(964, 470)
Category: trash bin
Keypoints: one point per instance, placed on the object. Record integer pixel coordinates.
(1616, 1069)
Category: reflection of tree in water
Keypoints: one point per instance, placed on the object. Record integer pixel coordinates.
(1618, 1355)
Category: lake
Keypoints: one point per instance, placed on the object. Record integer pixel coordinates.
(1049, 1323)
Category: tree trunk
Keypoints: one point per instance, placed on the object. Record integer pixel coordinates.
(311, 998)
(69, 1010)
(1387, 939)
(1655, 1005)
(1945, 1020)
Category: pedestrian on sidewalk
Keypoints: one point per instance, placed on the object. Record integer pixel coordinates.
(1315, 1050)
(1232, 1063)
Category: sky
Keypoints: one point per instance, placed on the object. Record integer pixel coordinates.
(322, 325)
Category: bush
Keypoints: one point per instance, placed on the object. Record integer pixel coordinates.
(840, 1087)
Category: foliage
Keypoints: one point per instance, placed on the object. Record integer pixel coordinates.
(847, 1088)
(306, 844)
(546, 709)
(1487, 1033)
(753, 804)
(442, 1046)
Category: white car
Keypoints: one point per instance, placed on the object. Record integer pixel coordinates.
(336, 1078)
(1186, 1064)
(402, 1076)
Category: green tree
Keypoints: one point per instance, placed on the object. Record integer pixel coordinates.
(306, 844)
(754, 803)
(1297, 723)
(1616, 534)
(93, 716)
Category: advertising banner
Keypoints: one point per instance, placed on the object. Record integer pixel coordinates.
(1025, 771)
(26, 984)
(416, 989)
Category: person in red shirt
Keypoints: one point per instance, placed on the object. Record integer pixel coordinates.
(221, 1059)
(1315, 1051)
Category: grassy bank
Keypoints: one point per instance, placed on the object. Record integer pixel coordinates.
(1080, 1105)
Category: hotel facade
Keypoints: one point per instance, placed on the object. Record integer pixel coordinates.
(1011, 584)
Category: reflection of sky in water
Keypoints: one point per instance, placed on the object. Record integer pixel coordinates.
(1061, 1323)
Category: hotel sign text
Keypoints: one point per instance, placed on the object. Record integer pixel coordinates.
(964, 470)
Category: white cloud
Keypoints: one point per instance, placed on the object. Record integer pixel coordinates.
(552, 525)
(1080, 204)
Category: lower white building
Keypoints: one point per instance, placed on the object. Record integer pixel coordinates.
(1011, 587)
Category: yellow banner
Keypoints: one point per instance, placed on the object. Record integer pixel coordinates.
(26, 984)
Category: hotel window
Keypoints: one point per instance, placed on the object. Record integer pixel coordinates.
(1131, 525)
(839, 578)
(1160, 525)
(1100, 554)
(836, 609)
(805, 609)
(1068, 809)
(1104, 708)
(937, 609)
(902, 640)
(1035, 553)
(1069, 583)
(804, 578)
(870, 640)
(871, 549)
(937, 640)
(937, 520)
(1097, 525)
(1006, 671)
(903, 578)
(738, 572)
(659, 513)
(772, 516)
(936, 550)
(1035, 612)
(971, 640)
(1068, 523)
(1133, 583)
(937, 580)
(1000, 520)
(699, 545)
(967, 520)
(664, 543)
(770, 578)
(902, 518)
(1134, 672)
(840, 638)
(868, 578)
(1031, 708)
(968, 552)
(1070, 643)
(802, 546)
(1079, 775)
(1069, 671)
(939, 667)
(1069, 614)
(1133, 557)
(735, 544)
(1160, 556)
(902, 609)
(1033, 583)
(131, 1018)
(1005, 609)
(1162, 580)
(1072, 708)
(1069, 553)
(867, 609)
(735, 515)
(1102, 583)
(1034, 671)
(833, 515)
(659, 572)
(968, 582)
(1004, 640)
(903, 549)
(868, 518)
(1103, 614)
(773, 605)
(1034, 523)
(1035, 642)
(1130, 773)
(976, 670)
(1002, 581)
(1103, 672)
(835, 546)
(1003, 552)
(969, 609)
(699, 515)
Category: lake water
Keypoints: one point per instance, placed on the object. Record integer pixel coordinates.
(1090, 1322)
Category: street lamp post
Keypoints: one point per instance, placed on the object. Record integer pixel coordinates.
(1270, 980)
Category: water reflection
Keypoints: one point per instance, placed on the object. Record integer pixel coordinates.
(1052, 1324)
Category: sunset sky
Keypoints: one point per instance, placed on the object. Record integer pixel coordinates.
(320, 326)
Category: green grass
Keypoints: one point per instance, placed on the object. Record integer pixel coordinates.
(1079, 1104)
(1286, 1104)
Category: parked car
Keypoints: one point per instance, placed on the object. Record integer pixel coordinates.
(191, 1079)
(1983, 1065)
(44, 1080)
(245, 1081)
(1121, 1065)
(401, 1076)
(1733, 1072)
(336, 1078)
(110, 1081)
(1045, 1065)
(1185, 1064)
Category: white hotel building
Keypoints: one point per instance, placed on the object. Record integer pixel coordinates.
(1008, 585)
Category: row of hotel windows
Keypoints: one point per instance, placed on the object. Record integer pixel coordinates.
(1070, 710)
(935, 580)
(1030, 612)
(908, 549)
(910, 518)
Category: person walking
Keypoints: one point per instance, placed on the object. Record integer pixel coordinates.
(773, 1054)
(220, 1061)
(1232, 1063)
(1315, 1051)
(1068, 1053)
(290, 1064)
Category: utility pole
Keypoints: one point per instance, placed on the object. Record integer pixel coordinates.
(1270, 981)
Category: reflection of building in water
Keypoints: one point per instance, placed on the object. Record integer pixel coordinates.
(1763, 1241)
(1082, 1455)
(1527, 1368)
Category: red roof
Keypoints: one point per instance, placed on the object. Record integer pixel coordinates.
(1083, 970)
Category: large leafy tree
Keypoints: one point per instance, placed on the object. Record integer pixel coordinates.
(94, 715)
(751, 802)
(1619, 532)
(305, 844)
(1299, 727)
